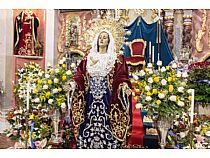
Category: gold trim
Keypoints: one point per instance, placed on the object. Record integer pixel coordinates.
(73, 51)
(205, 57)
(61, 36)
(116, 27)
(135, 64)
(144, 46)
(119, 122)
(78, 108)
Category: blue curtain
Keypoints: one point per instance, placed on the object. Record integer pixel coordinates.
(148, 32)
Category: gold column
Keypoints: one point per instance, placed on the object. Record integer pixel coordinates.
(187, 29)
(169, 26)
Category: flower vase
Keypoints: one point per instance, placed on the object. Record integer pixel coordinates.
(55, 120)
(163, 125)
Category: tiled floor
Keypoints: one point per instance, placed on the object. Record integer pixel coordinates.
(5, 142)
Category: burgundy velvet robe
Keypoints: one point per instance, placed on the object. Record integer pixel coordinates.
(120, 117)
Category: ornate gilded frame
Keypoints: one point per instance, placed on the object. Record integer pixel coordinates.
(205, 57)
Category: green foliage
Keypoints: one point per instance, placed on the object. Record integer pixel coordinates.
(202, 90)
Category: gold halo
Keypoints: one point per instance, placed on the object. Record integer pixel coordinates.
(116, 27)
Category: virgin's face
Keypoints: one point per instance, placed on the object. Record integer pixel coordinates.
(103, 39)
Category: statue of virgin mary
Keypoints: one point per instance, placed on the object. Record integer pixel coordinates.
(101, 105)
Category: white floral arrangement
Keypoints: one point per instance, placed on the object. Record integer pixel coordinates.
(163, 92)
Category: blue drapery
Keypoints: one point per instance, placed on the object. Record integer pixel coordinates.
(148, 32)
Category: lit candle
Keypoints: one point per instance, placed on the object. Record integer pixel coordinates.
(153, 54)
(150, 49)
(192, 105)
(27, 98)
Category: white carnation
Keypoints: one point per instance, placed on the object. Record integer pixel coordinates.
(163, 69)
(149, 65)
(176, 123)
(182, 134)
(161, 95)
(56, 80)
(178, 74)
(172, 98)
(68, 72)
(150, 71)
(64, 59)
(174, 65)
(142, 73)
(56, 70)
(50, 101)
(163, 82)
(189, 91)
(159, 63)
(20, 96)
(37, 100)
(150, 80)
(198, 129)
(138, 105)
(148, 98)
(135, 77)
(180, 103)
(47, 76)
(73, 65)
(40, 73)
(184, 74)
(61, 62)
(63, 105)
(45, 86)
(147, 88)
(181, 89)
(55, 90)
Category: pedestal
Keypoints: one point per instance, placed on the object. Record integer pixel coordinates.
(55, 145)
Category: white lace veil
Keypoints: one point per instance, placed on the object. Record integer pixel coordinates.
(106, 61)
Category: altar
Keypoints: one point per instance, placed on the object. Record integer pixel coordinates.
(162, 102)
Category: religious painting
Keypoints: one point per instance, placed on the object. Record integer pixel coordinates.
(72, 31)
(73, 24)
(26, 25)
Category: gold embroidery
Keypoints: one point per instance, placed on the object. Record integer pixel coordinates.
(78, 107)
(119, 121)
(119, 60)
(86, 83)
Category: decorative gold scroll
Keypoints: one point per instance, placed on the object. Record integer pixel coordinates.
(201, 32)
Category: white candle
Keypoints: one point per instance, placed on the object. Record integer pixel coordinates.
(153, 54)
(48, 64)
(150, 51)
(159, 12)
(192, 105)
(27, 99)
(68, 101)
